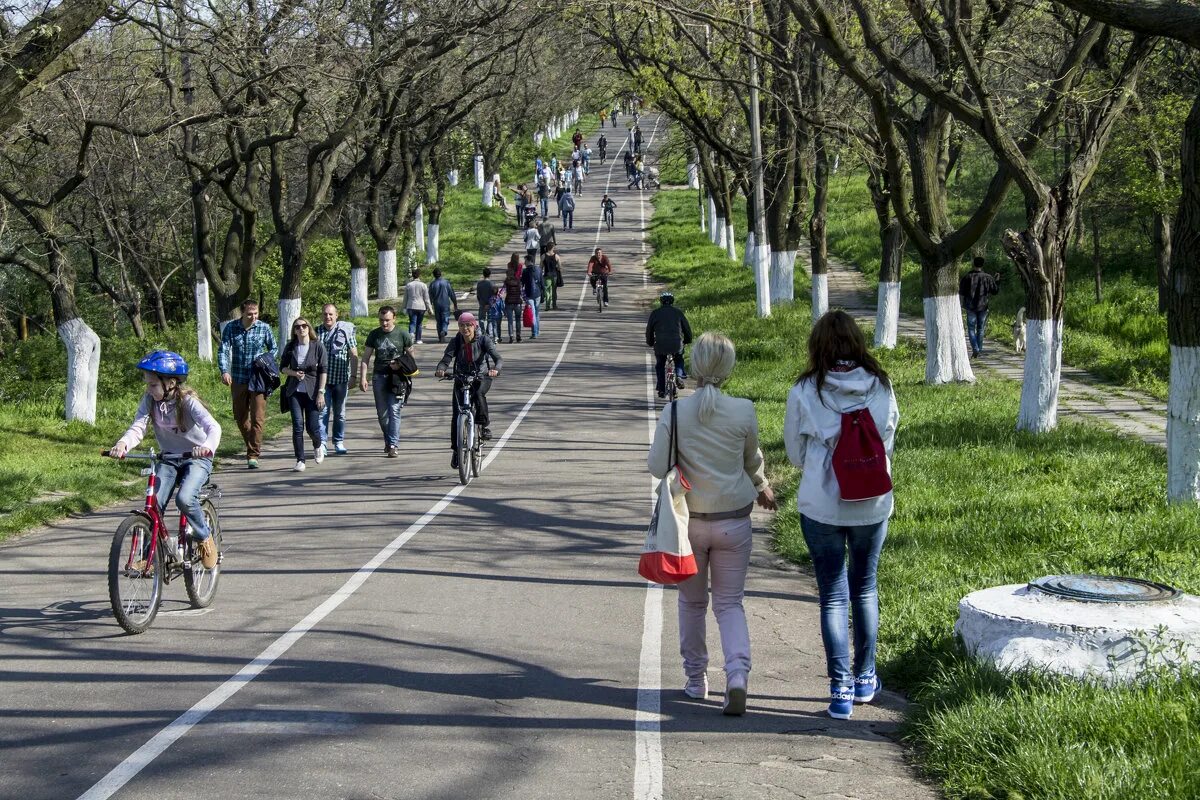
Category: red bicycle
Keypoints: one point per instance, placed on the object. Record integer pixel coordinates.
(144, 556)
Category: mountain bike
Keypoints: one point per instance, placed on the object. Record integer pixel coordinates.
(609, 218)
(144, 556)
(469, 432)
(671, 380)
(598, 291)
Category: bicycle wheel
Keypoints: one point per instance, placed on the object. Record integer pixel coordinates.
(599, 297)
(669, 378)
(134, 587)
(201, 583)
(466, 425)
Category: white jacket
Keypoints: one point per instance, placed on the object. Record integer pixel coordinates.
(416, 296)
(811, 430)
(720, 458)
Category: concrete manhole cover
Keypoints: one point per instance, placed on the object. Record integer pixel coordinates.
(1104, 589)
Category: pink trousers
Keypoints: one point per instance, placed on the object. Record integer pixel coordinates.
(722, 549)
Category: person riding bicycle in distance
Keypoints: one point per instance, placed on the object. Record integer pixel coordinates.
(598, 269)
(475, 358)
(667, 331)
(608, 208)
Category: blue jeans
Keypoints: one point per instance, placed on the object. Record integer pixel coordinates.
(387, 407)
(976, 323)
(304, 417)
(191, 476)
(335, 406)
(442, 315)
(568, 219)
(415, 318)
(840, 590)
(534, 302)
(544, 206)
(512, 313)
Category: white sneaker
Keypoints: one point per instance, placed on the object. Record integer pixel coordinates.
(299, 467)
(320, 454)
(697, 687)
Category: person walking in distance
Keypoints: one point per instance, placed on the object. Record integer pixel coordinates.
(306, 367)
(513, 301)
(717, 441)
(242, 341)
(602, 146)
(441, 294)
(485, 290)
(667, 331)
(546, 235)
(552, 276)
(340, 342)
(598, 269)
(416, 302)
(533, 242)
(531, 283)
(842, 377)
(470, 351)
(386, 344)
(975, 289)
(543, 196)
(577, 139)
(566, 205)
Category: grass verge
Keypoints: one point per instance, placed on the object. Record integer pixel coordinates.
(978, 505)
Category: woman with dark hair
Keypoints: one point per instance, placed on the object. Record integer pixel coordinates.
(304, 364)
(842, 376)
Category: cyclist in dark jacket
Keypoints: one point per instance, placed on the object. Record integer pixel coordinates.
(475, 358)
(667, 331)
(975, 289)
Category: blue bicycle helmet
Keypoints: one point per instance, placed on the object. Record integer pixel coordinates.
(164, 362)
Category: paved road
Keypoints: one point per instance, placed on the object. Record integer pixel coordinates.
(382, 632)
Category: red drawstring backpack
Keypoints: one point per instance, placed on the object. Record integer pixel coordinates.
(860, 459)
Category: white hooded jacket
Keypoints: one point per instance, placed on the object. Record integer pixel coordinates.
(811, 429)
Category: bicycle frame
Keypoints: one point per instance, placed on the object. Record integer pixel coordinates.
(154, 513)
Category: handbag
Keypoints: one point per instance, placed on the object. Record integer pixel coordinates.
(667, 555)
(527, 317)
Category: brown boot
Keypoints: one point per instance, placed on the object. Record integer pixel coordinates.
(208, 553)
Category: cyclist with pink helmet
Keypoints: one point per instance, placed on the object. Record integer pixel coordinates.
(476, 360)
(182, 425)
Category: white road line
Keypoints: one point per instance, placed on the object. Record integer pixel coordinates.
(648, 767)
(141, 758)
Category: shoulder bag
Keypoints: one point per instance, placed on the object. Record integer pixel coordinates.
(667, 555)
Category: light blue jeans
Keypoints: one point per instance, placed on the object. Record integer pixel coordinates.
(388, 407)
(335, 406)
(976, 324)
(191, 476)
(841, 589)
(537, 316)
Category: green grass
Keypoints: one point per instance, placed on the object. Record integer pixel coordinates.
(977, 505)
(1122, 339)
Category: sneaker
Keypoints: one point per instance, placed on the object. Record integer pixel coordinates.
(486, 434)
(866, 687)
(339, 449)
(393, 452)
(735, 694)
(606, 304)
(454, 460)
(299, 467)
(251, 463)
(207, 549)
(697, 687)
(662, 395)
(841, 702)
(320, 454)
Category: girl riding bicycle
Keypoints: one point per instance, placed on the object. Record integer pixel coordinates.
(181, 425)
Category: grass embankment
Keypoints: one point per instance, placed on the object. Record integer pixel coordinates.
(1123, 338)
(49, 468)
(978, 505)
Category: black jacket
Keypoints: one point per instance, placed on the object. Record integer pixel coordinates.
(975, 290)
(264, 375)
(668, 331)
(314, 366)
(480, 352)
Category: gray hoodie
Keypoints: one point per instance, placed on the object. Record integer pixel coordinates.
(811, 429)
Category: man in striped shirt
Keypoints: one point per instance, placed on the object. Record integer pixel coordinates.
(242, 341)
(340, 343)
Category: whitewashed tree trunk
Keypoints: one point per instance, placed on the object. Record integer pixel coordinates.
(783, 276)
(820, 295)
(478, 171)
(762, 279)
(703, 219)
(748, 254)
(388, 288)
(432, 243)
(289, 309)
(358, 292)
(712, 219)
(487, 194)
(1183, 426)
(693, 173)
(419, 226)
(452, 177)
(538, 138)
(83, 369)
(730, 242)
(203, 320)
(887, 315)
(946, 358)
(1038, 412)
(721, 231)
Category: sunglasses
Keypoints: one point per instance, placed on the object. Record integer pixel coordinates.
(299, 327)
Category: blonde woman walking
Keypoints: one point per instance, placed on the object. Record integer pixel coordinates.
(717, 440)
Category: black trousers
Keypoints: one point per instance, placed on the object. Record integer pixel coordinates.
(481, 406)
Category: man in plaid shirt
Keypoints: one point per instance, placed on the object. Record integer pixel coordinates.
(340, 343)
(242, 342)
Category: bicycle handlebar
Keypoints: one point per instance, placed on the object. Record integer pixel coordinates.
(149, 456)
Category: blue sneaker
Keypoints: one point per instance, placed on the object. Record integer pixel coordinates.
(841, 702)
(866, 687)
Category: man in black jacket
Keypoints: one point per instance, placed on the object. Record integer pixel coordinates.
(975, 290)
(476, 359)
(667, 331)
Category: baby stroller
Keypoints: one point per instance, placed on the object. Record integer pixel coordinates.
(650, 179)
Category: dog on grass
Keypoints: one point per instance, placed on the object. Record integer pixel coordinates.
(1019, 331)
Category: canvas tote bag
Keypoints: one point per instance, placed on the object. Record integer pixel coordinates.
(667, 556)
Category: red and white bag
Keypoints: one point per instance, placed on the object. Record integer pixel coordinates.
(667, 556)
(860, 459)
